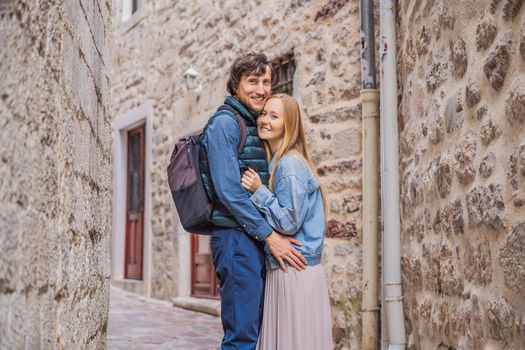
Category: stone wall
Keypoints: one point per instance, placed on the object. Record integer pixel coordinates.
(462, 149)
(54, 174)
(165, 38)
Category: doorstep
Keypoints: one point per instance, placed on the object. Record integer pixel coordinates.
(208, 306)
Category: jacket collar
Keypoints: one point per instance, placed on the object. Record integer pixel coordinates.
(239, 107)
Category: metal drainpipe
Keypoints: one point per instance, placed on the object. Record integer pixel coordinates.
(370, 135)
(393, 298)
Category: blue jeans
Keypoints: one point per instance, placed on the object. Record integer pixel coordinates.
(239, 263)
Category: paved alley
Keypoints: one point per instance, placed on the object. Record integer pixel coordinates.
(136, 322)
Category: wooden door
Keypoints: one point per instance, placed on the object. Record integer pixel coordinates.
(204, 282)
(135, 204)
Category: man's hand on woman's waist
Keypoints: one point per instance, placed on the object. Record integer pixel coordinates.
(282, 249)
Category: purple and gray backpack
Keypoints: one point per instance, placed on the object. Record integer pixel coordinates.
(184, 176)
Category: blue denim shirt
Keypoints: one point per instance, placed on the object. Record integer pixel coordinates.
(221, 140)
(295, 208)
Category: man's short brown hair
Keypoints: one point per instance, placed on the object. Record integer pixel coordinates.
(247, 64)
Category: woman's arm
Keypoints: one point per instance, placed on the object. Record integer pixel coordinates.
(285, 210)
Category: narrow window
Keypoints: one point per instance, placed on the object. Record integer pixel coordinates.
(284, 69)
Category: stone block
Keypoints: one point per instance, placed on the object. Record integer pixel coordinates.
(515, 103)
(425, 309)
(207, 306)
(352, 204)
(466, 174)
(320, 57)
(71, 68)
(347, 143)
(422, 41)
(317, 79)
(453, 113)
(441, 316)
(418, 228)
(445, 20)
(442, 222)
(516, 167)
(338, 229)
(486, 31)
(493, 6)
(9, 259)
(497, 64)
(472, 94)
(450, 281)
(411, 272)
(319, 154)
(487, 165)
(518, 199)
(55, 55)
(512, 258)
(407, 143)
(439, 272)
(464, 154)
(501, 316)
(476, 324)
(329, 9)
(343, 249)
(458, 58)
(481, 112)
(409, 55)
(511, 9)
(489, 131)
(337, 184)
(351, 87)
(337, 115)
(436, 124)
(443, 174)
(336, 59)
(340, 167)
(437, 66)
(477, 262)
(337, 269)
(416, 190)
(456, 216)
(485, 205)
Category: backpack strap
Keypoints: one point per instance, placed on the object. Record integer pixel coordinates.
(242, 126)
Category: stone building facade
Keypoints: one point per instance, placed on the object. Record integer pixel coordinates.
(462, 158)
(55, 164)
(462, 154)
(157, 43)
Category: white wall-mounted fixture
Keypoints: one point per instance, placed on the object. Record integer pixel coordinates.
(191, 79)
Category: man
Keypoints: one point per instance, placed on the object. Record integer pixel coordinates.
(237, 241)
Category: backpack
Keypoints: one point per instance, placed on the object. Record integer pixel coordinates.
(184, 177)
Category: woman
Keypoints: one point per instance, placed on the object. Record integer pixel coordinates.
(296, 305)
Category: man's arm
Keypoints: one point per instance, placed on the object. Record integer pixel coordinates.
(222, 139)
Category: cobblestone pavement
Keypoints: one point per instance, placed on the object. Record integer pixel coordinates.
(136, 322)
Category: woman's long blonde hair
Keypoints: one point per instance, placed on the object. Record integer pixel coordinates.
(294, 140)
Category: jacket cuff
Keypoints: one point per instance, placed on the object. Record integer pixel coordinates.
(260, 232)
(260, 196)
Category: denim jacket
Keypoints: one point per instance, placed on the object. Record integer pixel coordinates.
(295, 208)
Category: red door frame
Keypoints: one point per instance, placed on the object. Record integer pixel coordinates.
(134, 253)
(199, 289)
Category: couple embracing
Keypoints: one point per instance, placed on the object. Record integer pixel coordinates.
(269, 218)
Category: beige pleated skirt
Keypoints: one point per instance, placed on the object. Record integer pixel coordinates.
(296, 311)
